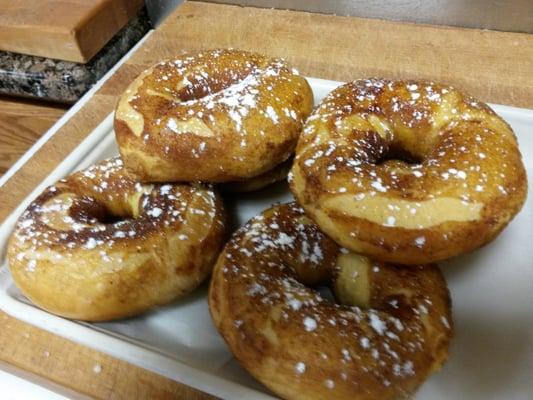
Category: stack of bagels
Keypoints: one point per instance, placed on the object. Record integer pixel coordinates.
(389, 177)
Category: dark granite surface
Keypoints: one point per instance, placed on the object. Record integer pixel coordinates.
(66, 81)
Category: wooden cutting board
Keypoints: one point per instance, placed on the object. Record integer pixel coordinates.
(494, 66)
(73, 30)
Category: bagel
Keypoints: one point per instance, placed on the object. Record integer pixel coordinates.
(391, 330)
(98, 245)
(213, 116)
(410, 172)
(279, 173)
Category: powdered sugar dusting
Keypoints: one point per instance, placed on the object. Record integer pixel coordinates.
(73, 214)
(299, 367)
(262, 267)
(397, 154)
(310, 324)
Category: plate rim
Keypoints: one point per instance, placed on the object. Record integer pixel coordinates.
(112, 343)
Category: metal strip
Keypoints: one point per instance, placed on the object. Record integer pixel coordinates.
(501, 15)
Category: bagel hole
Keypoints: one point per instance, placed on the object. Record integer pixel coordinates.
(198, 86)
(327, 293)
(398, 153)
(109, 218)
(88, 210)
(193, 92)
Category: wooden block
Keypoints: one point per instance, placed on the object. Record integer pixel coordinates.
(72, 30)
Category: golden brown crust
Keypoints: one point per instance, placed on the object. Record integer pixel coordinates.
(408, 171)
(391, 333)
(214, 116)
(98, 245)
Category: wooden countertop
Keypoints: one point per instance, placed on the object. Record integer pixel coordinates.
(494, 66)
(22, 122)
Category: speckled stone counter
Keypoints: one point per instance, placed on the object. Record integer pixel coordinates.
(65, 81)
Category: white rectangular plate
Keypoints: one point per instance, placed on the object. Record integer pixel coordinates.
(492, 291)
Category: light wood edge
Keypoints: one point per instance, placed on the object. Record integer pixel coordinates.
(115, 16)
(81, 369)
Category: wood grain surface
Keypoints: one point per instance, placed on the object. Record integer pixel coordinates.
(22, 122)
(494, 66)
(73, 30)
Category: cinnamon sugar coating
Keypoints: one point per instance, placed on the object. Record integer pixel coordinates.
(98, 245)
(387, 332)
(212, 116)
(408, 171)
